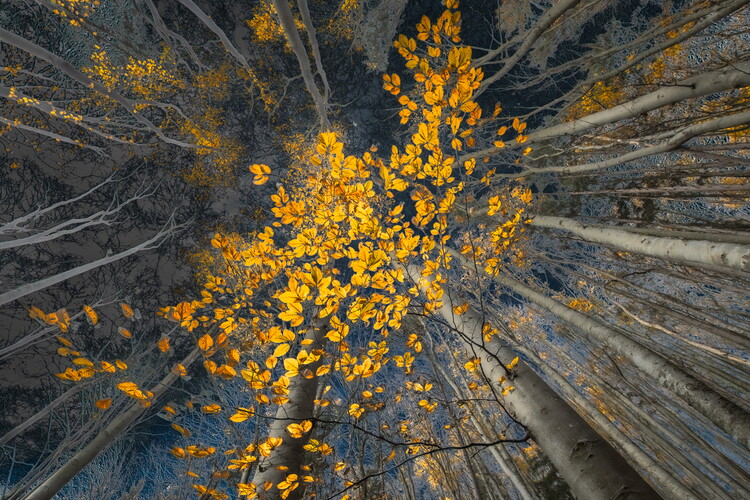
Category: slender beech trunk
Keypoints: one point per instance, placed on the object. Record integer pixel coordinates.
(676, 139)
(550, 17)
(503, 460)
(304, 10)
(61, 64)
(726, 255)
(210, 24)
(591, 467)
(300, 407)
(728, 78)
(104, 439)
(25, 290)
(727, 416)
(295, 42)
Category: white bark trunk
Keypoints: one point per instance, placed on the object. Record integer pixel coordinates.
(727, 416)
(731, 77)
(726, 255)
(591, 467)
(210, 24)
(25, 290)
(502, 458)
(541, 25)
(58, 62)
(728, 78)
(313, 39)
(676, 140)
(104, 439)
(295, 42)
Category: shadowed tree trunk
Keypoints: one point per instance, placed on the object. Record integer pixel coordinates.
(590, 466)
(300, 407)
(104, 439)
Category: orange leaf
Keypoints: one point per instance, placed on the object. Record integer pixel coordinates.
(163, 344)
(103, 404)
(205, 342)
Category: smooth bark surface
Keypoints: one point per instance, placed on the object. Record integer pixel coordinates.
(728, 78)
(727, 416)
(728, 255)
(590, 466)
(104, 439)
(295, 42)
(300, 407)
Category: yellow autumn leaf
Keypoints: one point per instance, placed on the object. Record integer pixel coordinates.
(124, 332)
(280, 350)
(459, 310)
(297, 430)
(248, 490)
(241, 415)
(292, 367)
(181, 430)
(512, 364)
(132, 390)
(205, 342)
(107, 366)
(212, 408)
(103, 404)
(355, 410)
(261, 173)
(472, 365)
(163, 344)
(91, 315)
(83, 362)
(127, 311)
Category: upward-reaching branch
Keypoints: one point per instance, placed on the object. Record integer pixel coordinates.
(295, 42)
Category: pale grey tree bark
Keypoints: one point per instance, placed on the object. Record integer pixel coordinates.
(730, 256)
(30, 288)
(77, 76)
(591, 467)
(300, 407)
(286, 19)
(504, 460)
(47, 489)
(540, 26)
(210, 24)
(727, 78)
(675, 139)
(727, 416)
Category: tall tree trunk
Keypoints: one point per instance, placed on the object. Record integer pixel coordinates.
(727, 78)
(727, 416)
(300, 407)
(286, 19)
(676, 139)
(503, 460)
(25, 290)
(104, 439)
(210, 24)
(726, 255)
(591, 467)
(550, 17)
